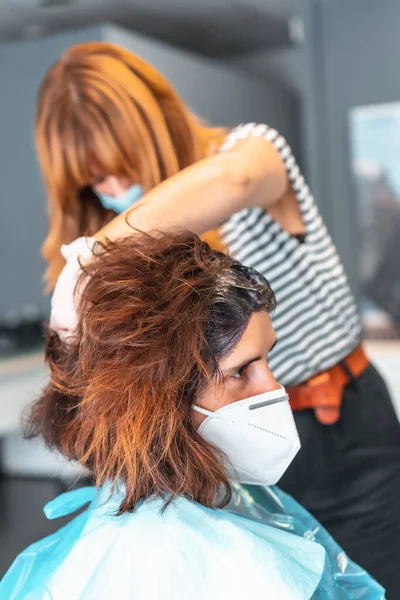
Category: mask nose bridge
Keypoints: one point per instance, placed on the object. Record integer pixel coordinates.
(258, 405)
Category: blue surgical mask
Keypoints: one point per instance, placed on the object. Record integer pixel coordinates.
(122, 203)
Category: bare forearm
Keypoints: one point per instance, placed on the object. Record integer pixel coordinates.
(198, 198)
(204, 195)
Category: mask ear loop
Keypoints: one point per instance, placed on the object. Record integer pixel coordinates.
(203, 411)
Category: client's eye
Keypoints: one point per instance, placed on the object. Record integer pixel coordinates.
(239, 373)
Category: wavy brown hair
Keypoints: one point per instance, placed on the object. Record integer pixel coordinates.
(156, 316)
(102, 107)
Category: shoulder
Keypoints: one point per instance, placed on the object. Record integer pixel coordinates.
(257, 133)
(265, 145)
(249, 130)
(267, 154)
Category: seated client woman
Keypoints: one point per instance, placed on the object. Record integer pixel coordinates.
(164, 392)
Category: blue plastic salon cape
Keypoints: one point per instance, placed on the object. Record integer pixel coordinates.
(186, 552)
(342, 579)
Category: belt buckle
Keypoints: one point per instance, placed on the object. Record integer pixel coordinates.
(330, 392)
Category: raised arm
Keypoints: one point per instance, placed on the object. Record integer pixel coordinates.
(249, 172)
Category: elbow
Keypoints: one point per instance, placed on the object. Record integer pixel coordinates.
(252, 186)
(236, 178)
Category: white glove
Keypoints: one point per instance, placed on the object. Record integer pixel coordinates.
(63, 316)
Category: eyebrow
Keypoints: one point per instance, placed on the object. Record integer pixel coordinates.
(249, 362)
(243, 366)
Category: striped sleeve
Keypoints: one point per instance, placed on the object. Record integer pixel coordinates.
(271, 135)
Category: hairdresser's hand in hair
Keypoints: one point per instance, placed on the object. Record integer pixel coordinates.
(204, 195)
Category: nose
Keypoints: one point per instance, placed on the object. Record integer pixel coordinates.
(269, 380)
(266, 382)
(116, 188)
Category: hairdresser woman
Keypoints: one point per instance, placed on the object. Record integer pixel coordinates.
(118, 149)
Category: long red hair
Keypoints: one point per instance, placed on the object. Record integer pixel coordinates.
(102, 107)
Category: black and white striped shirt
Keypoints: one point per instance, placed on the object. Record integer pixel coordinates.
(316, 318)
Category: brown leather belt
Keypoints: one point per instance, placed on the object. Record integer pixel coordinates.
(323, 393)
